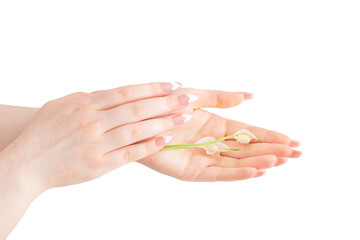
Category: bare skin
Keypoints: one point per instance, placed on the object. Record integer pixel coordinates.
(195, 165)
(81, 137)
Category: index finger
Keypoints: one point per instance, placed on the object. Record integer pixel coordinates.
(108, 99)
(216, 98)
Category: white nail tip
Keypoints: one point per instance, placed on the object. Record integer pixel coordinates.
(167, 138)
(187, 117)
(175, 85)
(192, 98)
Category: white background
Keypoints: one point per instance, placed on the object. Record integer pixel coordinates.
(301, 59)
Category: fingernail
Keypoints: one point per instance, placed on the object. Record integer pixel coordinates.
(260, 173)
(172, 86)
(294, 143)
(182, 118)
(295, 154)
(247, 95)
(187, 98)
(161, 141)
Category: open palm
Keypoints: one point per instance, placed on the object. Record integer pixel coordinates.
(195, 165)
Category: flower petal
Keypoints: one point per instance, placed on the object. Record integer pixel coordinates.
(206, 139)
(221, 146)
(244, 136)
(212, 148)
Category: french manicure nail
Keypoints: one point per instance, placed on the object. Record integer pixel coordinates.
(187, 98)
(182, 118)
(167, 138)
(192, 98)
(161, 141)
(187, 117)
(169, 87)
(174, 85)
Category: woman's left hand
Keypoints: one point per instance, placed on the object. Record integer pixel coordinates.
(194, 164)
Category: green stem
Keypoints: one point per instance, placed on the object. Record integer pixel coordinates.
(176, 146)
(184, 146)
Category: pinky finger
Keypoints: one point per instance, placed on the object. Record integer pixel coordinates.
(134, 152)
(281, 161)
(212, 174)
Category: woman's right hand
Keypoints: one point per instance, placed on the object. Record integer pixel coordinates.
(82, 136)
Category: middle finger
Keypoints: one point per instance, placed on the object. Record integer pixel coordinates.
(258, 149)
(144, 109)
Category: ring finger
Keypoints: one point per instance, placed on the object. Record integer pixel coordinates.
(134, 132)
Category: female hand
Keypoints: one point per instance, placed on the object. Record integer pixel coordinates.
(194, 164)
(82, 136)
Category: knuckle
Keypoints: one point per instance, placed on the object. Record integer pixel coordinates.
(166, 123)
(125, 92)
(135, 131)
(136, 109)
(50, 104)
(127, 155)
(155, 89)
(219, 99)
(79, 94)
(90, 127)
(150, 147)
(171, 102)
(237, 163)
(80, 106)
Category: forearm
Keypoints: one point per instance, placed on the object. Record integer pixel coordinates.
(13, 120)
(17, 190)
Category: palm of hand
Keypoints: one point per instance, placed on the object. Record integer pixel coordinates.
(195, 165)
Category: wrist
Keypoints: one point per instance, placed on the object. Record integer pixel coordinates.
(17, 191)
(17, 176)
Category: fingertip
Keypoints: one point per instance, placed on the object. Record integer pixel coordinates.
(296, 154)
(281, 161)
(247, 95)
(228, 99)
(294, 143)
(272, 160)
(260, 173)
